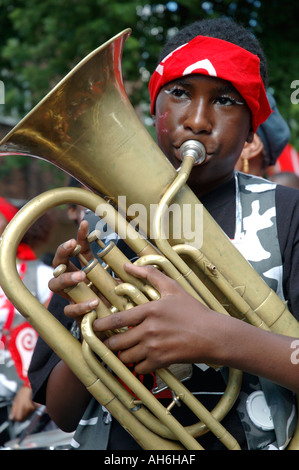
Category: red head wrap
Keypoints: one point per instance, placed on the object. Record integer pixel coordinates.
(216, 58)
(7, 209)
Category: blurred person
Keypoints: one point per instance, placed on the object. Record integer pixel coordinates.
(75, 212)
(18, 338)
(288, 161)
(268, 143)
(285, 178)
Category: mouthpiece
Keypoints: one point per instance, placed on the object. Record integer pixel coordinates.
(194, 149)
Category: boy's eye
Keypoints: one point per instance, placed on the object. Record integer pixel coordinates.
(227, 101)
(177, 92)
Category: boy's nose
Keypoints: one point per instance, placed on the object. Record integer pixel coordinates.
(198, 118)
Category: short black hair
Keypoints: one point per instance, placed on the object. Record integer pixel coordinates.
(220, 28)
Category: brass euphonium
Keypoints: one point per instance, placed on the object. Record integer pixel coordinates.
(87, 126)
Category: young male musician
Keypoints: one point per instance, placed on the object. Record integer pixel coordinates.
(209, 86)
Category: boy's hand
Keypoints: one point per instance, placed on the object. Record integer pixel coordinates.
(166, 331)
(72, 275)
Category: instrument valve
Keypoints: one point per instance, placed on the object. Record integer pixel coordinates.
(175, 401)
(212, 269)
(59, 270)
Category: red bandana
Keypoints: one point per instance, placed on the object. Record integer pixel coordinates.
(216, 58)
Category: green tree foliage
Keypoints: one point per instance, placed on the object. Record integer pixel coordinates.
(42, 40)
(279, 34)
